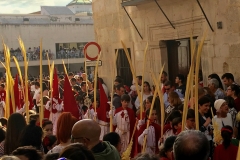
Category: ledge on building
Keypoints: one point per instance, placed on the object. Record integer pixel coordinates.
(134, 2)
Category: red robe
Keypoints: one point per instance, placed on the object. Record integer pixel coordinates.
(220, 153)
(132, 118)
(157, 129)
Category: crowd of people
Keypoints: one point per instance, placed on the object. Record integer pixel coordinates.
(76, 125)
(33, 54)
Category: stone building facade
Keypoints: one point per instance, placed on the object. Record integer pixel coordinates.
(168, 45)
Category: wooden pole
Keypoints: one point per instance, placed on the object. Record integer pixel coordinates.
(41, 92)
(26, 76)
(131, 67)
(162, 108)
(141, 97)
(196, 80)
(85, 66)
(113, 76)
(95, 84)
(20, 75)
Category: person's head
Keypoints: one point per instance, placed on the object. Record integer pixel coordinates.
(148, 102)
(93, 103)
(73, 81)
(152, 117)
(114, 139)
(173, 115)
(27, 153)
(47, 127)
(213, 84)
(3, 121)
(179, 79)
(37, 85)
(119, 89)
(221, 107)
(76, 88)
(9, 158)
(31, 135)
(230, 101)
(146, 87)
(174, 99)
(233, 90)
(190, 122)
(83, 86)
(177, 123)
(168, 86)
(44, 86)
(2, 87)
(227, 79)
(125, 100)
(226, 133)
(164, 77)
(214, 75)
(86, 131)
(77, 151)
(49, 142)
(139, 80)
(70, 75)
(16, 124)
(64, 126)
(117, 81)
(168, 147)
(204, 104)
(191, 145)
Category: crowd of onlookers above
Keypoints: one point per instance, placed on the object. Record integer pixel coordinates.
(33, 54)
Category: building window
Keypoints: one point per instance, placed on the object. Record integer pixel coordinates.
(123, 67)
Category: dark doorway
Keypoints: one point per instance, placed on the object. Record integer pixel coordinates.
(179, 58)
(123, 67)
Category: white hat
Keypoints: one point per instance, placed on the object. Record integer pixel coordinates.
(218, 103)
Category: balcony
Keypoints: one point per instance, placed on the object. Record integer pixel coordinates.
(134, 2)
(73, 56)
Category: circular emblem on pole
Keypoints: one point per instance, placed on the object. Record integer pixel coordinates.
(91, 50)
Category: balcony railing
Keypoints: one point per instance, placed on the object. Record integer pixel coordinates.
(31, 56)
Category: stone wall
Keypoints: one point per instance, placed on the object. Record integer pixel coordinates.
(221, 47)
(50, 34)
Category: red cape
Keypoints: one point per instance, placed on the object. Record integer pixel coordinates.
(104, 107)
(132, 119)
(157, 136)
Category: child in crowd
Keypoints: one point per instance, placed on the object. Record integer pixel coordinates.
(47, 127)
(175, 130)
(190, 122)
(124, 120)
(49, 142)
(153, 133)
(226, 150)
(166, 152)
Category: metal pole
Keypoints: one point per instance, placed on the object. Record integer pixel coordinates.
(132, 22)
(164, 14)
(205, 15)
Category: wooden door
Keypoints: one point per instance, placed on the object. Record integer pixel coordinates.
(178, 58)
(123, 67)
